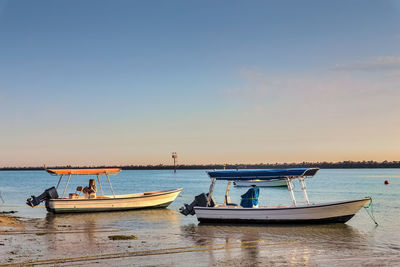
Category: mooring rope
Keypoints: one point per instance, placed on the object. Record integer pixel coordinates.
(371, 214)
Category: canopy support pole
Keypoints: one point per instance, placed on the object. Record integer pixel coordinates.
(290, 188)
(303, 188)
(210, 191)
(59, 180)
(226, 200)
(101, 189)
(65, 189)
(108, 178)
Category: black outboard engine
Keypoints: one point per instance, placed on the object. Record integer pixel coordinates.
(199, 201)
(47, 194)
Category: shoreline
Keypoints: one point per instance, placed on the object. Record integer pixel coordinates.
(321, 165)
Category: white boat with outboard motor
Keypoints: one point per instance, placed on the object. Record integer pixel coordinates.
(260, 183)
(207, 211)
(85, 199)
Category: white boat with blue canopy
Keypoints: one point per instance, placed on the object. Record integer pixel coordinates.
(207, 211)
(260, 178)
(260, 183)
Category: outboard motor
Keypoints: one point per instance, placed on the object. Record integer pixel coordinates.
(47, 194)
(199, 201)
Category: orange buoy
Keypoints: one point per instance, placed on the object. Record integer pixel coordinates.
(386, 182)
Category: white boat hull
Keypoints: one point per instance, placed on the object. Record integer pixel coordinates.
(332, 212)
(156, 199)
(261, 183)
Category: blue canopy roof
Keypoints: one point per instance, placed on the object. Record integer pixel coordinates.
(262, 174)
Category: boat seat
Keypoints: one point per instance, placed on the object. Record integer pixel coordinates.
(228, 201)
(73, 196)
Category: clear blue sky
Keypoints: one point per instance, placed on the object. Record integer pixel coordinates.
(128, 82)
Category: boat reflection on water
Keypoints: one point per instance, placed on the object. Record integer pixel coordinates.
(74, 232)
(289, 245)
(101, 220)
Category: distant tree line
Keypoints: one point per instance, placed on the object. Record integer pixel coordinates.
(322, 165)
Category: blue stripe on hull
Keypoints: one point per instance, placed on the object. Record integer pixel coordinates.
(339, 219)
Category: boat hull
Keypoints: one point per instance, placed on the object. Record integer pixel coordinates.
(260, 183)
(332, 212)
(147, 200)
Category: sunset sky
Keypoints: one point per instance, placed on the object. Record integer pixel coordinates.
(129, 82)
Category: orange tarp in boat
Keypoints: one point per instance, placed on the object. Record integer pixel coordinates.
(83, 171)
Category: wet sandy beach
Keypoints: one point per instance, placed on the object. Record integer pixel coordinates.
(84, 239)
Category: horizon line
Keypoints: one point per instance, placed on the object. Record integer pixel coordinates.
(223, 165)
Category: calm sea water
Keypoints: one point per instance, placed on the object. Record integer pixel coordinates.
(358, 241)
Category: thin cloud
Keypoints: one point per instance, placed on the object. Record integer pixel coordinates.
(352, 93)
(373, 64)
(253, 84)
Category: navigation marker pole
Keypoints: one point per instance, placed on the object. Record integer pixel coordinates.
(174, 156)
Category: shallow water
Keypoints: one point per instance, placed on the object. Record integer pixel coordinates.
(358, 241)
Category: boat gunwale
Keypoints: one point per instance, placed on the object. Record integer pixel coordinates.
(327, 204)
(164, 192)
